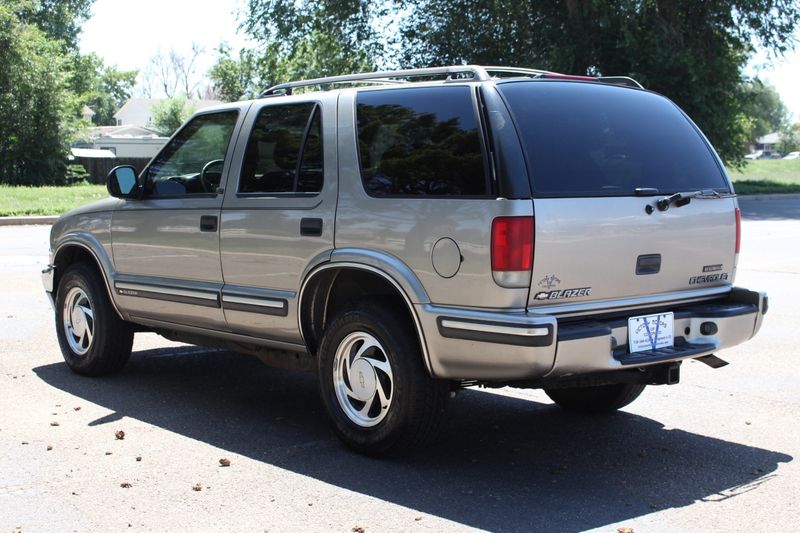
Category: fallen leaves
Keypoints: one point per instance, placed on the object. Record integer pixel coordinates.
(119, 434)
(224, 462)
(197, 487)
(138, 458)
(54, 423)
(49, 447)
(357, 529)
(125, 485)
(76, 408)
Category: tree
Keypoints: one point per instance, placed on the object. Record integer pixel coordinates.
(303, 39)
(36, 121)
(102, 87)
(170, 114)
(174, 74)
(60, 20)
(790, 139)
(693, 52)
(764, 108)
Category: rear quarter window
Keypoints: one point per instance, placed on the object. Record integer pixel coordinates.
(590, 139)
(422, 141)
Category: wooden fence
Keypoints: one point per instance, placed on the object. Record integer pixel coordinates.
(98, 168)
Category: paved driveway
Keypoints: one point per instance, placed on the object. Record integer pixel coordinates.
(717, 452)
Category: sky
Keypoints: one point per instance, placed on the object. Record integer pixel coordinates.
(127, 33)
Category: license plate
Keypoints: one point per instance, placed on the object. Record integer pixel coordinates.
(651, 332)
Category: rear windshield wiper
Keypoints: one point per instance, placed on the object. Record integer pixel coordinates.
(682, 198)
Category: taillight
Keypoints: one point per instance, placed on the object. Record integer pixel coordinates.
(512, 250)
(738, 229)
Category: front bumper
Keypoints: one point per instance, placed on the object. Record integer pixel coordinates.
(48, 275)
(484, 345)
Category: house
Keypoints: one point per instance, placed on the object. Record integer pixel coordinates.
(139, 111)
(124, 141)
(768, 143)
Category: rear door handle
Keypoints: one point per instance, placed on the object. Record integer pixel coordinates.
(208, 223)
(311, 227)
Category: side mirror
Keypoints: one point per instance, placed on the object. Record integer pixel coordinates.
(122, 182)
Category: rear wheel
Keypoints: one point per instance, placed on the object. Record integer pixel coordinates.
(600, 399)
(93, 339)
(376, 390)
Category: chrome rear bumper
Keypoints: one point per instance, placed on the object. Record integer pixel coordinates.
(472, 344)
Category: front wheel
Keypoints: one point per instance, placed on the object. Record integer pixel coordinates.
(376, 390)
(600, 399)
(93, 339)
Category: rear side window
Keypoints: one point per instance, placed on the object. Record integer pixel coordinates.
(420, 142)
(284, 152)
(585, 139)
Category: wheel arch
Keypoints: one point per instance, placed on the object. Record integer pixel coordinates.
(75, 250)
(324, 288)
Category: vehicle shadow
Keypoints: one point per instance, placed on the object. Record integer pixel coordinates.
(501, 463)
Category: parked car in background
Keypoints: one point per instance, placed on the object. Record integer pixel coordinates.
(792, 155)
(411, 233)
(754, 155)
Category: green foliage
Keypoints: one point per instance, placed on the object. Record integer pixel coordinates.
(300, 39)
(170, 114)
(76, 174)
(35, 118)
(764, 109)
(102, 87)
(790, 139)
(693, 52)
(60, 20)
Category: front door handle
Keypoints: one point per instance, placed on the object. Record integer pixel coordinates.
(311, 227)
(208, 223)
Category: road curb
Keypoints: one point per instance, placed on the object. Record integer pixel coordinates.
(28, 221)
(791, 196)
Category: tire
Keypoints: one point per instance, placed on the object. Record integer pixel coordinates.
(600, 399)
(405, 403)
(93, 339)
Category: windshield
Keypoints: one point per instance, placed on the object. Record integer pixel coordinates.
(591, 139)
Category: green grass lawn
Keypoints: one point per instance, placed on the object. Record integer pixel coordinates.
(18, 201)
(764, 176)
(757, 177)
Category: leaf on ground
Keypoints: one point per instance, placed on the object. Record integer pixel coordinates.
(54, 423)
(119, 434)
(197, 487)
(138, 458)
(357, 529)
(108, 452)
(49, 447)
(224, 462)
(125, 485)
(76, 408)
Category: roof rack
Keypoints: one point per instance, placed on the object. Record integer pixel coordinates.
(453, 73)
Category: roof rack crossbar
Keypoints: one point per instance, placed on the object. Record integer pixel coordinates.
(389, 76)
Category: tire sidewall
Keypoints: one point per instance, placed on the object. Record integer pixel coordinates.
(399, 352)
(76, 276)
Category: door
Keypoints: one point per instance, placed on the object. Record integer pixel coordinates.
(166, 245)
(278, 212)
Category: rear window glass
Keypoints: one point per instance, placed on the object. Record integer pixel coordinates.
(420, 142)
(594, 140)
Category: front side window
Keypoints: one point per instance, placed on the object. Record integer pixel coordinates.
(284, 152)
(192, 162)
(420, 142)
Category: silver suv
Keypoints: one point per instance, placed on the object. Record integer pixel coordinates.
(408, 233)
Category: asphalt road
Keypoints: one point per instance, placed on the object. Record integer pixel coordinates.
(717, 452)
